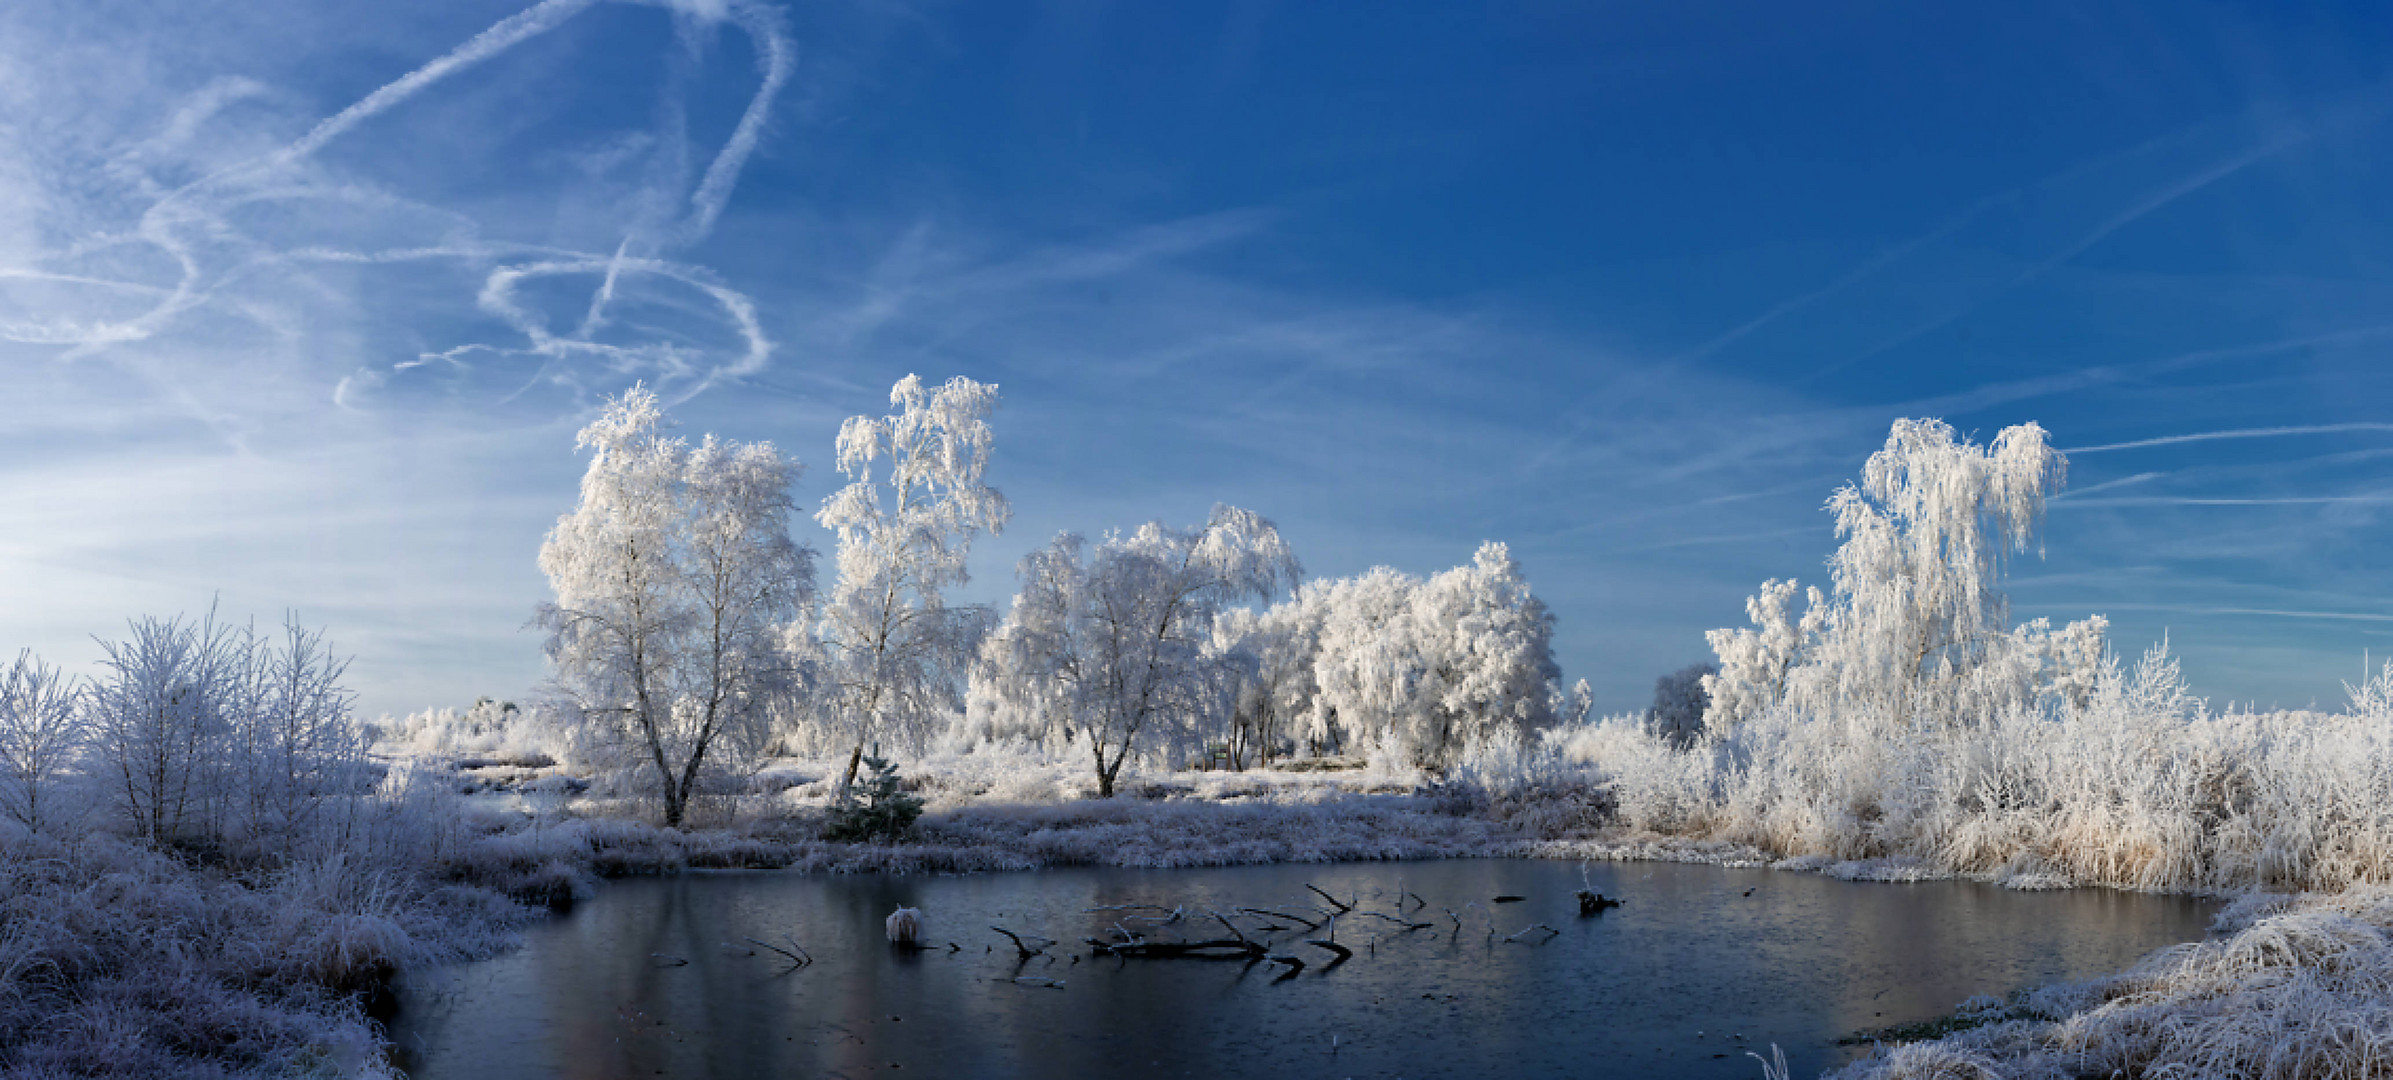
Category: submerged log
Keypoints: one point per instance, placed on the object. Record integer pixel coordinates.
(1595, 903)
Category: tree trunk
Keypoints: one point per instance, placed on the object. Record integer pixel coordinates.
(847, 782)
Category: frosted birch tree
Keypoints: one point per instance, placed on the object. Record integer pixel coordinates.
(676, 580)
(1916, 628)
(895, 650)
(41, 736)
(1114, 646)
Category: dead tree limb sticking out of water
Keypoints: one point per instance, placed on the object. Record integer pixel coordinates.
(1343, 908)
(1310, 924)
(1408, 926)
(795, 954)
(1023, 950)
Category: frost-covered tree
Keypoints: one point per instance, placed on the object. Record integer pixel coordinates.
(1755, 664)
(295, 746)
(1274, 687)
(894, 647)
(1926, 533)
(1113, 646)
(1916, 629)
(162, 727)
(1679, 703)
(205, 732)
(41, 735)
(1438, 666)
(676, 580)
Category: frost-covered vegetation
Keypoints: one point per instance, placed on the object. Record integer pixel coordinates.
(213, 868)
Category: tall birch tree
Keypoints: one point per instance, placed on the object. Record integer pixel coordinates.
(917, 495)
(676, 580)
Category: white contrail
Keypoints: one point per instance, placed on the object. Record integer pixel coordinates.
(2234, 433)
(2173, 500)
(179, 220)
(2073, 496)
(776, 56)
(524, 25)
(2280, 613)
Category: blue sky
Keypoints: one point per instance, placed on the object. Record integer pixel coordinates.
(301, 304)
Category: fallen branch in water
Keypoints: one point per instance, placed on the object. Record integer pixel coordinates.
(1343, 908)
(1535, 926)
(665, 960)
(1310, 924)
(1344, 953)
(796, 954)
(1025, 951)
(1393, 919)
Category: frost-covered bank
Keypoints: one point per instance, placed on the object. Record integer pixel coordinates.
(2295, 988)
(120, 960)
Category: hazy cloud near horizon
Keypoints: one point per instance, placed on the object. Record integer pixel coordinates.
(301, 304)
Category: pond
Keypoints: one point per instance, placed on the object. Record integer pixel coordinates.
(656, 977)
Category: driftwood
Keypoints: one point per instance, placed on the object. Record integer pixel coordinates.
(1510, 899)
(1343, 908)
(1393, 919)
(1310, 924)
(1021, 949)
(666, 960)
(796, 954)
(1344, 953)
(1294, 963)
(1527, 930)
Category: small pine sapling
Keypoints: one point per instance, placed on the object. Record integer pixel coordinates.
(880, 807)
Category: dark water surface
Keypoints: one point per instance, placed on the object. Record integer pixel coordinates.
(1661, 987)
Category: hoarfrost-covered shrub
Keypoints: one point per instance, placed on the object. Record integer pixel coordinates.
(43, 732)
(211, 735)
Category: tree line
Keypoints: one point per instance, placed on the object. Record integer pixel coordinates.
(688, 627)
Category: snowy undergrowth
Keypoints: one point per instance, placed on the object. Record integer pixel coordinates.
(2142, 788)
(120, 960)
